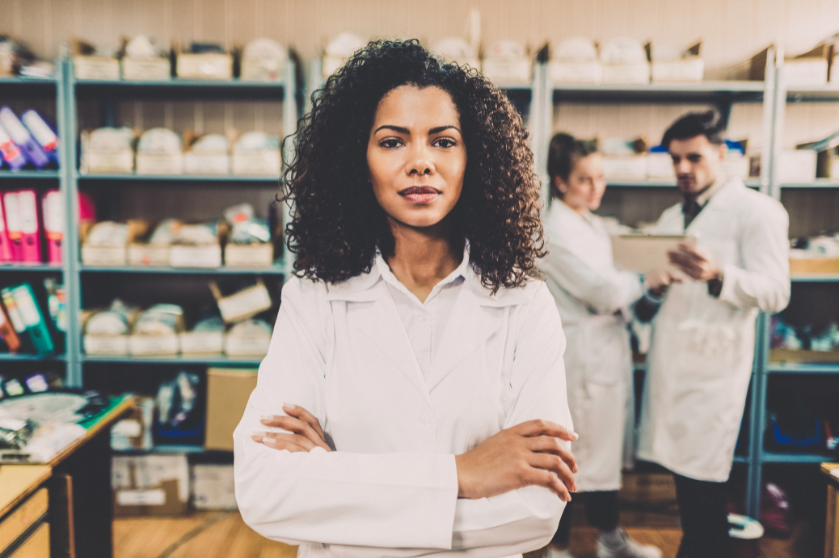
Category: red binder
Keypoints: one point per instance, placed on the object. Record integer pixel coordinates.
(53, 212)
(29, 226)
(5, 247)
(13, 232)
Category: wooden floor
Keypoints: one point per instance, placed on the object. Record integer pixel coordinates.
(224, 535)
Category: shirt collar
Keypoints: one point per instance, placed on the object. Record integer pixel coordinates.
(388, 277)
(707, 194)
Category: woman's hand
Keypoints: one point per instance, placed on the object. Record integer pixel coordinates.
(306, 433)
(530, 453)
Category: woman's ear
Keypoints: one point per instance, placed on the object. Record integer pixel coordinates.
(560, 184)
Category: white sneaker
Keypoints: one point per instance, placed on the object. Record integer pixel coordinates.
(555, 553)
(624, 547)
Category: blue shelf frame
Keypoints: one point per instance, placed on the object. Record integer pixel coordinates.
(202, 178)
(183, 360)
(274, 270)
(30, 357)
(23, 267)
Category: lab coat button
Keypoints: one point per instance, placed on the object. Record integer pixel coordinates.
(426, 421)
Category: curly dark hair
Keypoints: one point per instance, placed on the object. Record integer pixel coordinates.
(337, 223)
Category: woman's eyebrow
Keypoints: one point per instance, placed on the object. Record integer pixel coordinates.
(400, 129)
(439, 129)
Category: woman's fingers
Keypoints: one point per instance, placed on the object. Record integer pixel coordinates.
(278, 440)
(555, 465)
(548, 444)
(541, 477)
(304, 415)
(297, 426)
(541, 427)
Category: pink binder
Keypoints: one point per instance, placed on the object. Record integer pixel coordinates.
(13, 232)
(5, 247)
(29, 226)
(53, 212)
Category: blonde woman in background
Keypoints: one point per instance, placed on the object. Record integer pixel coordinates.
(593, 299)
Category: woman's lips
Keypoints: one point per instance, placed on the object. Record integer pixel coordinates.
(420, 194)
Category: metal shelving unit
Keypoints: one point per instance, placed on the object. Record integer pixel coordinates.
(199, 178)
(218, 360)
(275, 270)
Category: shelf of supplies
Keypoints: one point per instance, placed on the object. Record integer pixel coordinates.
(27, 357)
(802, 368)
(817, 183)
(234, 83)
(165, 449)
(813, 93)
(774, 457)
(208, 360)
(664, 183)
(274, 270)
(814, 278)
(199, 89)
(702, 91)
(30, 268)
(274, 180)
(27, 174)
(23, 80)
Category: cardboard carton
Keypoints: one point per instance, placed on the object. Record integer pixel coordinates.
(242, 304)
(89, 65)
(213, 487)
(202, 342)
(810, 68)
(797, 166)
(249, 255)
(228, 391)
(146, 68)
(150, 485)
(207, 65)
(689, 68)
(109, 255)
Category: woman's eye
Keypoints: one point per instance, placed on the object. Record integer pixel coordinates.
(444, 142)
(389, 143)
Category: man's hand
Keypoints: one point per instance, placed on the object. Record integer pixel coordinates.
(695, 262)
(306, 433)
(658, 283)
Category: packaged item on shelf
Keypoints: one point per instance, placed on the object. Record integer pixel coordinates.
(94, 63)
(106, 243)
(43, 133)
(575, 61)
(56, 303)
(14, 233)
(206, 338)
(107, 150)
(827, 158)
(807, 69)
(156, 331)
(736, 164)
(196, 246)
(248, 338)
(203, 61)
(106, 331)
(242, 304)
(14, 56)
(339, 50)
(30, 241)
(228, 390)
(257, 153)
(213, 487)
(670, 64)
(144, 60)
(12, 156)
(797, 166)
(793, 426)
(208, 154)
(264, 60)
(624, 159)
(155, 248)
(625, 61)
(5, 242)
(134, 430)
(660, 164)
(27, 319)
(180, 411)
(159, 151)
(806, 343)
(150, 485)
(815, 255)
(457, 50)
(249, 242)
(23, 139)
(52, 207)
(8, 335)
(507, 62)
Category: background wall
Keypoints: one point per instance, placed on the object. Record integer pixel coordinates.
(732, 30)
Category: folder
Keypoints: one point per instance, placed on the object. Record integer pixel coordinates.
(29, 227)
(53, 212)
(13, 232)
(22, 138)
(21, 300)
(7, 332)
(5, 247)
(42, 132)
(10, 152)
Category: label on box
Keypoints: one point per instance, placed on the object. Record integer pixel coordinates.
(206, 163)
(96, 67)
(103, 255)
(146, 67)
(245, 303)
(202, 343)
(205, 66)
(508, 71)
(626, 73)
(249, 255)
(159, 163)
(256, 162)
(156, 497)
(140, 345)
(576, 72)
(108, 161)
(195, 256)
(106, 345)
(678, 70)
(247, 346)
(148, 254)
(262, 69)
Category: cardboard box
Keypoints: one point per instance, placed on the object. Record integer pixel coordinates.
(631, 167)
(827, 266)
(213, 487)
(109, 255)
(501, 70)
(786, 355)
(140, 253)
(206, 163)
(160, 163)
(249, 255)
(587, 73)
(242, 304)
(207, 65)
(150, 485)
(754, 69)
(228, 391)
(96, 67)
(195, 256)
(687, 69)
(262, 69)
(104, 161)
(266, 162)
(134, 430)
(810, 68)
(797, 166)
(106, 345)
(202, 342)
(153, 345)
(626, 74)
(146, 68)
(246, 347)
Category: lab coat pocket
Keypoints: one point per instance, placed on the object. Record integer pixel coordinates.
(707, 349)
(605, 353)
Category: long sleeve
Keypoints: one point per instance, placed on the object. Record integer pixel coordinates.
(605, 291)
(331, 497)
(763, 281)
(526, 519)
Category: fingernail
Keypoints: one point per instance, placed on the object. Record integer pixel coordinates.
(266, 418)
(574, 436)
(257, 434)
(288, 406)
(269, 441)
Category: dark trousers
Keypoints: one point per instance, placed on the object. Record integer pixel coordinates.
(704, 515)
(601, 512)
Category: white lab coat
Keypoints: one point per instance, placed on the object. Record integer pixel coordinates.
(593, 300)
(702, 349)
(390, 488)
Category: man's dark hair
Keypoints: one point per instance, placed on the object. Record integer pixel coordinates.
(708, 124)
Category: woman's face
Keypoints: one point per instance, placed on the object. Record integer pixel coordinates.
(585, 185)
(416, 156)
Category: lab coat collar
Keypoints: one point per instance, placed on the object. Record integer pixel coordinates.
(718, 198)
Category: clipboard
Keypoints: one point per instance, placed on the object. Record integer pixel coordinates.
(641, 253)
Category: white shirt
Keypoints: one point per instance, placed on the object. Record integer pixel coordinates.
(390, 487)
(425, 322)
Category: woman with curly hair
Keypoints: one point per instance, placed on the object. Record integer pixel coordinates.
(413, 397)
